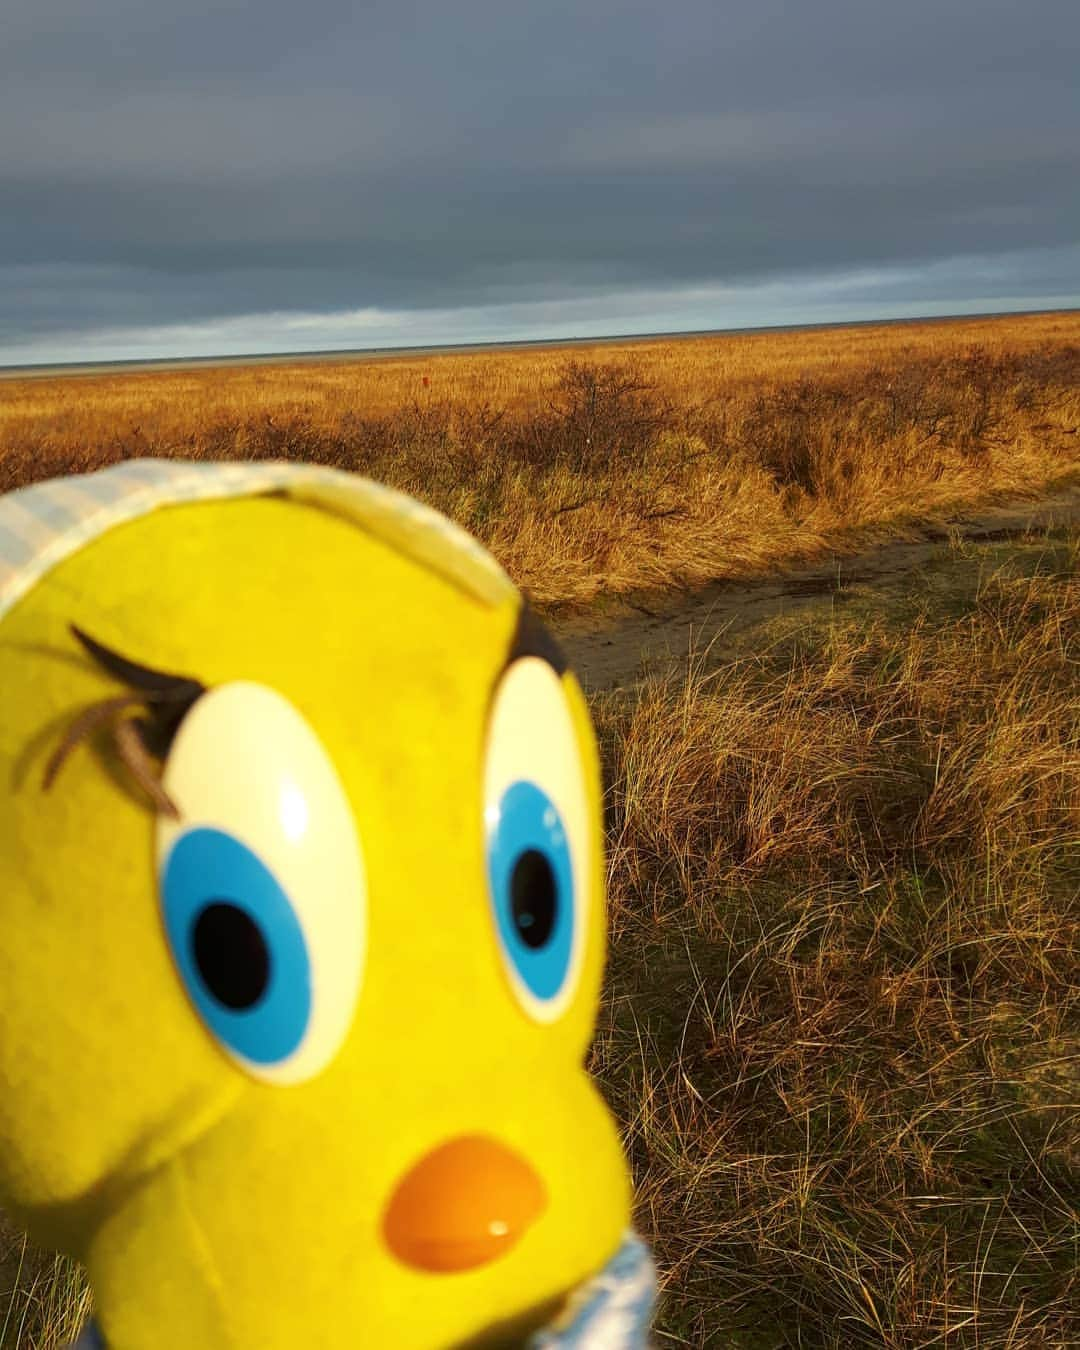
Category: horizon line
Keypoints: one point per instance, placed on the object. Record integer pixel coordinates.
(42, 369)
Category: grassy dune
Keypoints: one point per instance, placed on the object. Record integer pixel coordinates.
(841, 1024)
(608, 470)
(842, 1027)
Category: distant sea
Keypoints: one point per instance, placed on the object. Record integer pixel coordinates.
(391, 353)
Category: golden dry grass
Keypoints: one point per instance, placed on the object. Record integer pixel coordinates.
(610, 469)
(841, 1023)
(842, 1026)
(43, 1299)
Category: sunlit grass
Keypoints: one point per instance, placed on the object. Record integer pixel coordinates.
(43, 1299)
(840, 1028)
(610, 469)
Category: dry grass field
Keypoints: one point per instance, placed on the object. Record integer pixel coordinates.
(841, 1025)
(842, 1028)
(612, 469)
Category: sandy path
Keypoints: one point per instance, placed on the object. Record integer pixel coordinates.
(650, 633)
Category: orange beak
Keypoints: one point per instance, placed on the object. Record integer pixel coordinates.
(463, 1204)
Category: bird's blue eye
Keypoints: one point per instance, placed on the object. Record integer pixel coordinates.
(532, 887)
(237, 944)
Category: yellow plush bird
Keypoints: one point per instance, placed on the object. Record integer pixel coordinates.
(303, 924)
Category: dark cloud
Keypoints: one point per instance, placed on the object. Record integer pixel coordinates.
(216, 160)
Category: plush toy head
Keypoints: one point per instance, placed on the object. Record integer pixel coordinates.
(302, 945)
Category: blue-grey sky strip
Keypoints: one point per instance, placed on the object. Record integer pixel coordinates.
(200, 177)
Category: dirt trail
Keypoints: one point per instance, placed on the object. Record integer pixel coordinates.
(645, 634)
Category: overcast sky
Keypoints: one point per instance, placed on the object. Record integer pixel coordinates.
(196, 177)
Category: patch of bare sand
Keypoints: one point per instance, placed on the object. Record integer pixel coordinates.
(649, 633)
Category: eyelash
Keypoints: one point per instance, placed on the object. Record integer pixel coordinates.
(165, 701)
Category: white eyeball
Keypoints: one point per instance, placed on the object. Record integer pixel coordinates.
(539, 837)
(261, 881)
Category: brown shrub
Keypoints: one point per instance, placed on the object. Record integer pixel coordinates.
(657, 464)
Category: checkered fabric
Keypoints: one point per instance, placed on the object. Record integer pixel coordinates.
(42, 524)
(611, 1311)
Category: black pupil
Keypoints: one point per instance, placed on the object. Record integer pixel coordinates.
(533, 898)
(231, 955)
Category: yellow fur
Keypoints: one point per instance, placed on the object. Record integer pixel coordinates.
(213, 1209)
